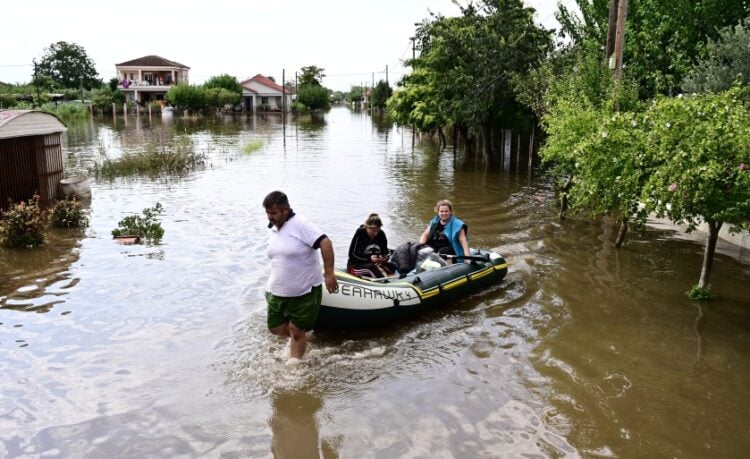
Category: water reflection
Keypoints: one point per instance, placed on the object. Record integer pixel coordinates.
(35, 280)
(295, 426)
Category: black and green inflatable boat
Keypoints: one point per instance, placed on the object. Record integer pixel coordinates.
(362, 303)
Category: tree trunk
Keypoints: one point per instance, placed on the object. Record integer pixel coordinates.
(441, 135)
(708, 254)
(455, 138)
(487, 134)
(564, 197)
(621, 234)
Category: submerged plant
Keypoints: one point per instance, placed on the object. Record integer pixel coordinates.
(254, 145)
(22, 225)
(147, 226)
(699, 293)
(152, 161)
(69, 213)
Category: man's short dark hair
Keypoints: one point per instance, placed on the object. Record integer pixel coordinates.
(275, 198)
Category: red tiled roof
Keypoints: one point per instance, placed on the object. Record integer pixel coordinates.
(153, 61)
(265, 81)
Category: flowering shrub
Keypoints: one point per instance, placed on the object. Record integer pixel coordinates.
(69, 214)
(22, 224)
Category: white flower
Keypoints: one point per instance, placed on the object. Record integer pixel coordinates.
(604, 134)
(669, 125)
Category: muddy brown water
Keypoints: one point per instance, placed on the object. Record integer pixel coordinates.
(162, 350)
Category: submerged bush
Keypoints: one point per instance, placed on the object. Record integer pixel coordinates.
(254, 145)
(69, 214)
(147, 226)
(152, 161)
(698, 293)
(22, 225)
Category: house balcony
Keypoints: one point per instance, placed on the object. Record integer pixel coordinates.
(144, 86)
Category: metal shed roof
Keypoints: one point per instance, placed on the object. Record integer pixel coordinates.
(22, 123)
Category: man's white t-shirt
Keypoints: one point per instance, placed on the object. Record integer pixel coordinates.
(295, 262)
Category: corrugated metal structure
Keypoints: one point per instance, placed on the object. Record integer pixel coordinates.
(30, 155)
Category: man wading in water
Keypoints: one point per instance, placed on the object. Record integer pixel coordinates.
(293, 290)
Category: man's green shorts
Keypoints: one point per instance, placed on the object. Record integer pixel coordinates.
(301, 311)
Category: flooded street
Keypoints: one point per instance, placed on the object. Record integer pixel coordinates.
(162, 351)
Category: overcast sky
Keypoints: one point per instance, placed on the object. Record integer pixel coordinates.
(352, 40)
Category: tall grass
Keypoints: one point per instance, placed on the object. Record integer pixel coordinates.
(152, 161)
(67, 111)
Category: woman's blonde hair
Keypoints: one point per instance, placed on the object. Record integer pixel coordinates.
(373, 220)
(443, 202)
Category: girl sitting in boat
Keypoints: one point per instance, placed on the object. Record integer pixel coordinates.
(368, 251)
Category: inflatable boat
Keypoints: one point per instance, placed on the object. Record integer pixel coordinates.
(364, 303)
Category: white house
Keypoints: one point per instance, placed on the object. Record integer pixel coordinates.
(261, 94)
(148, 78)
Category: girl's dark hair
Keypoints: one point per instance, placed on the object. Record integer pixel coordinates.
(373, 220)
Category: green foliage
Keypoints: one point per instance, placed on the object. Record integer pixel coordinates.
(311, 76)
(102, 99)
(113, 83)
(298, 107)
(252, 146)
(224, 81)
(380, 94)
(69, 66)
(22, 225)
(314, 97)
(185, 96)
(152, 161)
(724, 61)
(698, 293)
(701, 145)
(67, 111)
(69, 213)
(466, 65)
(417, 103)
(217, 98)
(146, 226)
(662, 37)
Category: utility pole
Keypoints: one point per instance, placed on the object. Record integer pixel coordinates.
(622, 10)
(413, 49)
(36, 85)
(386, 74)
(611, 31)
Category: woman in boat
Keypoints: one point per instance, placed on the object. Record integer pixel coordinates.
(446, 233)
(368, 251)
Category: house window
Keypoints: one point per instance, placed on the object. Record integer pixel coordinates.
(264, 100)
(148, 76)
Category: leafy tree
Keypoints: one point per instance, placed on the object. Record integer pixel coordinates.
(701, 145)
(590, 146)
(314, 97)
(219, 97)
(69, 66)
(662, 37)
(102, 99)
(185, 96)
(415, 103)
(380, 94)
(311, 75)
(356, 94)
(467, 64)
(724, 61)
(224, 81)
